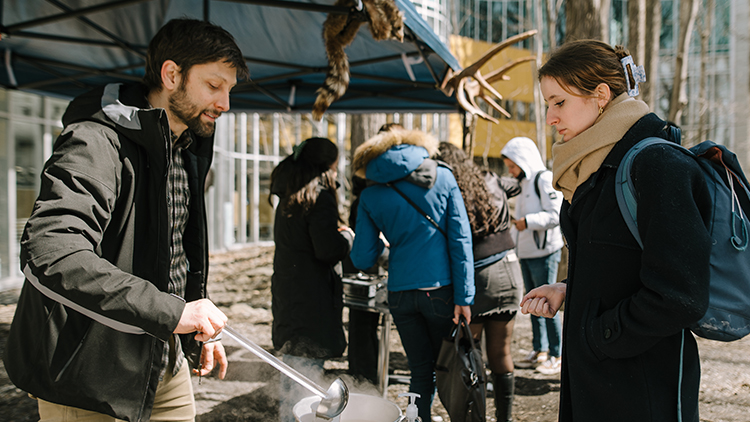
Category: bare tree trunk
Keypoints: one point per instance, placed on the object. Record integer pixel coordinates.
(651, 53)
(541, 140)
(470, 125)
(364, 126)
(553, 12)
(637, 30)
(706, 27)
(688, 14)
(583, 20)
(605, 7)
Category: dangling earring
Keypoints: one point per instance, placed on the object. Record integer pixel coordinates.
(601, 110)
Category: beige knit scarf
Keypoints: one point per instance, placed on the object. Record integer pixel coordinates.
(576, 160)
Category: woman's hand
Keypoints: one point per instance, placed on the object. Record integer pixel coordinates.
(545, 300)
(385, 241)
(346, 229)
(462, 310)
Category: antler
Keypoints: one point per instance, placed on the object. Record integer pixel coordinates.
(495, 75)
(478, 85)
(500, 74)
(473, 68)
(469, 104)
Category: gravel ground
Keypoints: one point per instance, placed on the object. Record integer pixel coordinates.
(240, 286)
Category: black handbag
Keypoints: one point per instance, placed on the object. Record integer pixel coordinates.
(461, 380)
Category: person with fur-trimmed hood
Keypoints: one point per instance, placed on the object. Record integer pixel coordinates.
(431, 267)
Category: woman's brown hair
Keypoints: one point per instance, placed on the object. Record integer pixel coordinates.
(484, 216)
(584, 64)
(299, 178)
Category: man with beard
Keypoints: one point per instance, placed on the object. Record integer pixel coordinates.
(113, 310)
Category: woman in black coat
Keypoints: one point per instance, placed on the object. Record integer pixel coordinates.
(627, 355)
(307, 295)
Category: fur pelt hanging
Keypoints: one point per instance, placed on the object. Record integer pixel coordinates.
(386, 22)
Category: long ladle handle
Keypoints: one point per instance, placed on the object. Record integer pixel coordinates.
(275, 362)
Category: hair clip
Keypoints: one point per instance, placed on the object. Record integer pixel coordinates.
(639, 75)
(297, 150)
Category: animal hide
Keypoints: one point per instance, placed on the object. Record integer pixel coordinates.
(386, 22)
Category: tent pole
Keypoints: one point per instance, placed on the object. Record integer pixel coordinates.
(311, 7)
(68, 14)
(120, 42)
(424, 57)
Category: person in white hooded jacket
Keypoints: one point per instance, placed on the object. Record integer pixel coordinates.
(538, 244)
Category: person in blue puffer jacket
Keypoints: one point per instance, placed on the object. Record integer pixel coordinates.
(431, 267)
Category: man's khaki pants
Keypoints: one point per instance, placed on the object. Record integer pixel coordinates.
(174, 402)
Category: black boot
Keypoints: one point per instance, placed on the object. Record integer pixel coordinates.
(504, 385)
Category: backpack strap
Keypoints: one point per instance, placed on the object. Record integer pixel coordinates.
(536, 183)
(673, 133)
(416, 207)
(680, 376)
(627, 202)
(540, 243)
(624, 188)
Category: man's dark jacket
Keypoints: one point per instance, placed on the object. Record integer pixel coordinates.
(626, 309)
(93, 315)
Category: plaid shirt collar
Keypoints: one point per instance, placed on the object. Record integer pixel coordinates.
(183, 141)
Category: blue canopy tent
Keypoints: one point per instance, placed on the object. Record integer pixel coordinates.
(65, 48)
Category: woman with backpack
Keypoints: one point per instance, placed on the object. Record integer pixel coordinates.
(497, 274)
(539, 244)
(627, 355)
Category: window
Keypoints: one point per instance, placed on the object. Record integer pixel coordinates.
(28, 125)
(483, 20)
(521, 111)
(498, 22)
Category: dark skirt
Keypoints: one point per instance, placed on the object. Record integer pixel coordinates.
(498, 287)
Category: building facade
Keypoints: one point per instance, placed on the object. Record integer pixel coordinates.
(28, 125)
(722, 115)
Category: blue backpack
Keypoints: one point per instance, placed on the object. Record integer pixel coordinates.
(728, 315)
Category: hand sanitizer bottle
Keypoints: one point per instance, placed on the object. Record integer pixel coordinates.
(411, 409)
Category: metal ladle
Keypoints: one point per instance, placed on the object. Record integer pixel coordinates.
(332, 402)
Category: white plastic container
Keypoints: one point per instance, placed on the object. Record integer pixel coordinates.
(361, 408)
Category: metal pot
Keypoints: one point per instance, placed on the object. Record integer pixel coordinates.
(361, 408)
